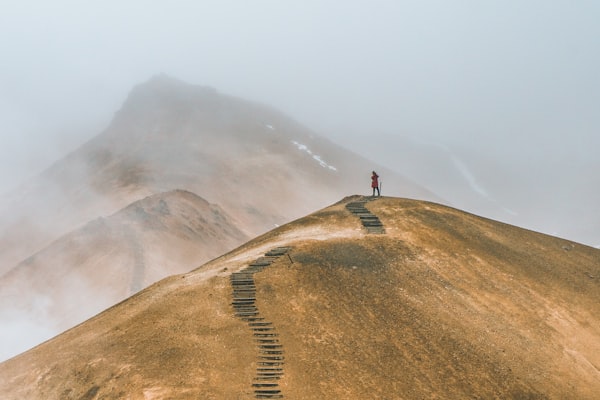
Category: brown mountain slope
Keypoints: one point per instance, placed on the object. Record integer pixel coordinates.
(111, 258)
(443, 305)
(260, 166)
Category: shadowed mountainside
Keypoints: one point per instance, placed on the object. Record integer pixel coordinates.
(444, 304)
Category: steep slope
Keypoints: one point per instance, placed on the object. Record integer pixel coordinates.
(260, 166)
(439, 304)
(109, 259)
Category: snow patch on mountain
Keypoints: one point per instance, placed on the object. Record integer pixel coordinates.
(317, 158)
(269, 126)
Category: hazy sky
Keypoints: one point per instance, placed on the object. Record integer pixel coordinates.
(488, 74)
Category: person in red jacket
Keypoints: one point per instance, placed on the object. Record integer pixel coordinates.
(375, 183)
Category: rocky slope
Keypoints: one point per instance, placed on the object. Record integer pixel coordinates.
(443, 304)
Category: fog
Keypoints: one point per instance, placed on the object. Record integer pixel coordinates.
(512, 82)
(492, 105)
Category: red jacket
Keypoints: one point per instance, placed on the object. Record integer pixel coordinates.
(374, 180)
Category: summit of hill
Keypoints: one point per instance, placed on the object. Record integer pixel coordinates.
(434, 303)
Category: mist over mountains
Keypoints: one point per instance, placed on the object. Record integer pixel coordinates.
(170, 135)
(81, 228)
(129, 217)
(259, 167)
(108, 259)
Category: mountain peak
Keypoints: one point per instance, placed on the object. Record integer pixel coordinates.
(161, 83)
(163, 92)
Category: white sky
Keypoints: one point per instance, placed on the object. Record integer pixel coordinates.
(511, 78)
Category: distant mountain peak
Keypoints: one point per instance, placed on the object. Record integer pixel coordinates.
(164, 78)
(163, 92)
(164, 82)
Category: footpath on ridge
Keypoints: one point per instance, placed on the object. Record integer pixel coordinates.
(270, 352)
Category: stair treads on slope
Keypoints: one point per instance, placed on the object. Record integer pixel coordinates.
(369, 220)
(269, 351)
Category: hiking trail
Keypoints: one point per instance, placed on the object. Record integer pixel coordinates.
(270, 351)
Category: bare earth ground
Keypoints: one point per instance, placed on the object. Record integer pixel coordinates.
(445, 305)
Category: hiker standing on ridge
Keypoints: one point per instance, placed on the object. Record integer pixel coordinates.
(375, 183)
